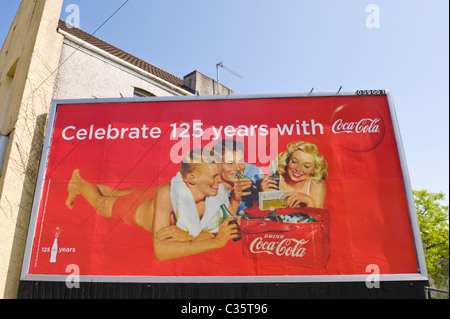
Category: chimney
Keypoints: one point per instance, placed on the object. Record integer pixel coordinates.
(201, 84)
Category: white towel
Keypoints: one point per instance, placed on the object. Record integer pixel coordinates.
(186, 212)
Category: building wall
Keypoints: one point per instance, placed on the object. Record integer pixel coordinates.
(110, 79)
(33, 48)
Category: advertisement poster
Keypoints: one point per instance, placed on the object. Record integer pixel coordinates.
(138, 189)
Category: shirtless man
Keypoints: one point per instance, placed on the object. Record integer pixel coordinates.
(154, 211)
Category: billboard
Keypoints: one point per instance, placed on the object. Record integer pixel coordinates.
(299, 187)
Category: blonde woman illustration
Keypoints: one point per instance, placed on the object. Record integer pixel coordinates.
(303, 172)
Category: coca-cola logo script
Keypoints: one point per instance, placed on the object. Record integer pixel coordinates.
(358, 128)
(365, 125)
(288, 247)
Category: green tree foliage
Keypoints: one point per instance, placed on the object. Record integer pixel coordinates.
(434, 222)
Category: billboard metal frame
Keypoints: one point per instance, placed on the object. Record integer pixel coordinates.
(421, 274)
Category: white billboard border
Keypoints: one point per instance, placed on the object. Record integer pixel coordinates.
(421, 275)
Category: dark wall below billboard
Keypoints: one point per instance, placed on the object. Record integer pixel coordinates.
(252, 291)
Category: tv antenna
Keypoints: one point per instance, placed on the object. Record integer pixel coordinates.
(220, 65)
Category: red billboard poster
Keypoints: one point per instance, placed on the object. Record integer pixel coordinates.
(237, 188)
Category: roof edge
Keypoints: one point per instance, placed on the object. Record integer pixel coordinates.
(121, 54)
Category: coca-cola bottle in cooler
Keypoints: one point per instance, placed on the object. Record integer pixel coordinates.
(274, 216)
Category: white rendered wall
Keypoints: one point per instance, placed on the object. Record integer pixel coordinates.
(86, 74)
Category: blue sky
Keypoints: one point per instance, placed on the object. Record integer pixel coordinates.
(292, 46)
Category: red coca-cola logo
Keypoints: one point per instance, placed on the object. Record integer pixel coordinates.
(288, 247)
(358, 128)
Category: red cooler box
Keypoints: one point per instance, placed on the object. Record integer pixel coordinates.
(300, 244)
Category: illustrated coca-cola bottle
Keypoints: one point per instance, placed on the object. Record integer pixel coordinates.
(253, 188)
(274, 175)
(227, 214)
(274, 216)
(54, 250)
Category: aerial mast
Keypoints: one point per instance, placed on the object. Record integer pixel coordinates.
(220, 65)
